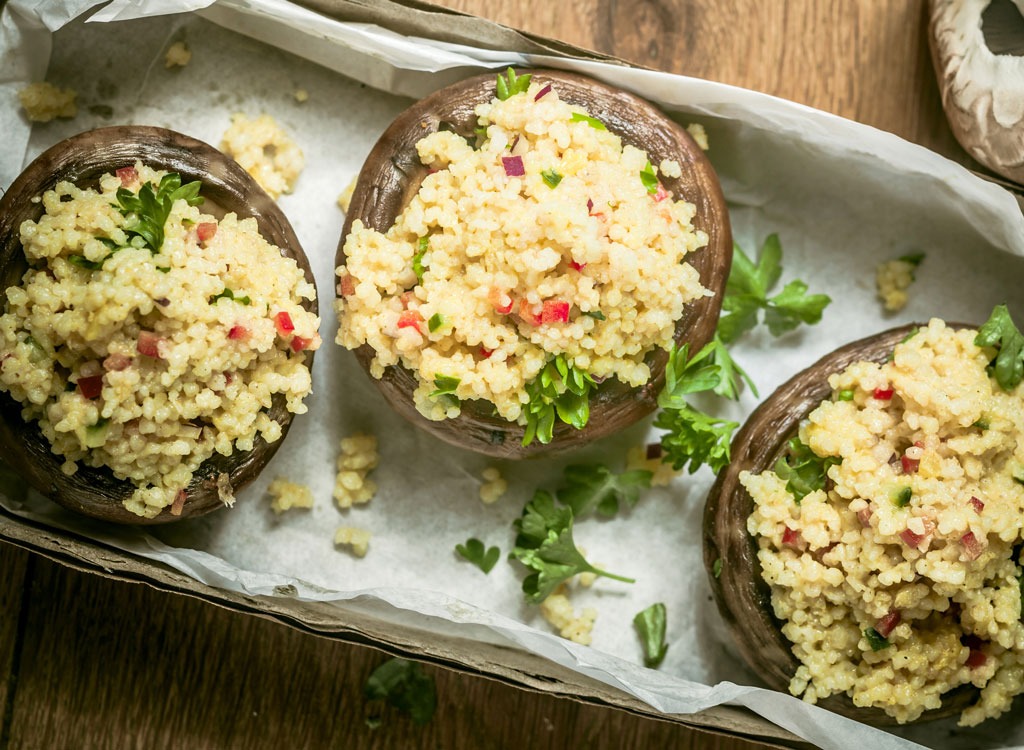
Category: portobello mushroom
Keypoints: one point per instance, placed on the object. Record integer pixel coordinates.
(392, 174)
(82, 160)
(730, 552)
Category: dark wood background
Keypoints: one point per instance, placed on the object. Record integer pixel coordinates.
(89, 663)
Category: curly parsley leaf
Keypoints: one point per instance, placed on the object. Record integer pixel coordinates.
(694, 437)
(595, 487)
(404, 685)
(510, 84)
(147, 211)
(746, 294)
(474, 551)
(803, 470)
(999, 332)
(650, 626)
(544, 544)
(560, 390)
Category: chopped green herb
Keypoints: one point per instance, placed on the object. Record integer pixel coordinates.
(445, 385)
(803, 469)
(591, 121)
(473, 550)
(595, 314)
(595, 487)
(1000, 333)
(981, 424)
(901, 496)
(417, 259)
(544, 544)
(96, 434)
(694, 437)
(82, 262)
(404, 685)
(875, 639)
(746, 293)
(161, 269)
(913, 259)
(551, 178)
(845, 395)
(716, 567)
(560, 390)
(710, 369)
(510, 84)
(148, 210)
(481, 132)
(436, 321)
(650, 626)
(649, 179)
(228, 294)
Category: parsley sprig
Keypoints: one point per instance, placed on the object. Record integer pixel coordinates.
(694, 438)
(999, 332)
(475, 552)
(803, 469)
(404, 685)
(544, 544)
(596, 488)
(650, 626)
(147, 211)
(510, 84)
(562, 390)
(746, 294)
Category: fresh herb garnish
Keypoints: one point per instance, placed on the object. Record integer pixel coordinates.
(981, 424)
(148, 210)
(445, 385)
(551, 178)
(591, 121)
(913, 259)
(423, 245)
(649, 179)
(510, 84)
(875, 639)
(595, 487)
(746, 293)
(436, 321)
(710, 369)
(694, 437)
(901, 496)
(404, 685)
(595, 314)
(803, 470)
(999, 332)
(82, 262)
(650, 626)
(544, 544)
(845, 395)
(228, 294)
(562, 390)
(716, 568)
(474, 551)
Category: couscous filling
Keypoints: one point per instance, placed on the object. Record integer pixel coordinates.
(533, 263)
(147, 335)
(890, 535)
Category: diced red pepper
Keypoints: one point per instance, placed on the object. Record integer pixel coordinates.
(238, 333)
(542, 93)
(513, 166)
(410, 319)
(972, 547)
(149, 344)
(498, 298)
(888, 623)
(977, 504)
(127, 175)
(577, 266)
(661, 195)
(526, 313)
(116, 361)
(555, 311)
(883, 394)
(300, 344)
(179, 503)
(206, 230)
(864, 516)
(486, 353)
(347, 286)
(91, 387)
(284, 324)
(910, 465)
(793, 538)
(976, 658)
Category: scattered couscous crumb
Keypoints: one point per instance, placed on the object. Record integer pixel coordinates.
(265, 151)
(699, 134)
(301, 95)
(558, 611)
(358, 540)
(346, 195)
(640, 458)
(358, 458)
(493, 487)
(893, 278)
(178, 55)
(286, 495)
(43, 101)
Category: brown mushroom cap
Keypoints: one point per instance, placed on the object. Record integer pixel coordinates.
(392, 175)
(743, 597)
(83, 159)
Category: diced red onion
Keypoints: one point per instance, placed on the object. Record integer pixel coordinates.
(972, 547)
(542, 93)
(149, 344)
(91, 387)
(653, 451)
(888, 623)
(977, 504)
(513, 166)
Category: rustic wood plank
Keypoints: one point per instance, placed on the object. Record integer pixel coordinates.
(14, 583)
(103, 660)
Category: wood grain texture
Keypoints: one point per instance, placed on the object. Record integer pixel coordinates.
(100, 664)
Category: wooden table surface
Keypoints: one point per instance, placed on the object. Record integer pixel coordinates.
(90, 663)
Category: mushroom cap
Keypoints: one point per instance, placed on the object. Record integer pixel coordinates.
(82, 160)
(742, 595)
(392, 174)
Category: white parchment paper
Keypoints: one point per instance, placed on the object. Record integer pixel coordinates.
(841, 195)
